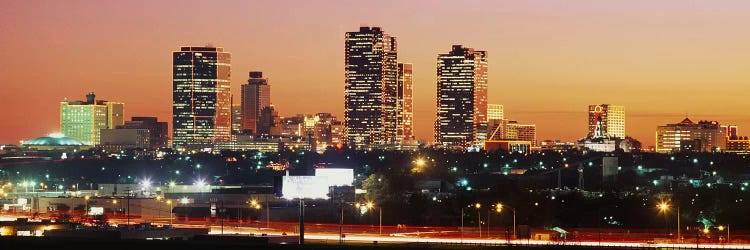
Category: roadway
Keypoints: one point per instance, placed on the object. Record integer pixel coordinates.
(329, 234)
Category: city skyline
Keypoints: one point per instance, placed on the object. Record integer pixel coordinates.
(640, 66)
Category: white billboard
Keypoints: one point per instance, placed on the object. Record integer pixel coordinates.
(337, 176)
(96, 211)
(308, 187)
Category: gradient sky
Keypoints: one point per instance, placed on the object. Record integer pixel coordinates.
(547, 59)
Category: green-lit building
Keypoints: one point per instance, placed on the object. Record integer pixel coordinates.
(84, 120)
(54, 142)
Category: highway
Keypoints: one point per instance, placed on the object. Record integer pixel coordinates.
(369, 234)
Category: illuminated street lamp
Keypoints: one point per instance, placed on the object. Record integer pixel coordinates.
(721, 228)
(86, 200)
(479, 218)
(499, 208)
(158, 201)
(114, 203)
(254, 204)
(369, 205)
(170, 211)
(419, 165)
(664, 208)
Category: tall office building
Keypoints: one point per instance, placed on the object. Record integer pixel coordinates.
(256, 95)
(84, 120)
(371, 71)
(236, 119)
(606, 121)
(461, 98)
(201, 108)
(404, 107)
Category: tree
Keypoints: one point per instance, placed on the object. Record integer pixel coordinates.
(377, 187)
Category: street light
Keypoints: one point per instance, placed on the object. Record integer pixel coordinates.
(499, 208)
(663, 208)
(256, 205)
(114, 203)
(419, 165)
(367, 206)
(170, 211)
(158, 211)
(479, 218)
(86, 200)
(721, 228)
(420, 162)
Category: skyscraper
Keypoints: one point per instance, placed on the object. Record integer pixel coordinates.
(256, 95)
(236, 119)
(606, 120)
(371, 70)
(461, 98)
(404, 107)
(201, 108)
(84, 120)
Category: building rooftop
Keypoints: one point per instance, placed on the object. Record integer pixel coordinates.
(53, 140)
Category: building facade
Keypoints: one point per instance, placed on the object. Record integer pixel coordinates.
(704, 136)
(461, 98)
(201, 98)
(236, 119)
(158, 131)
(269, 122)
(84, 120)
(371, 70)
(293, 126)
(505, 129)
(125, 138)
(256, 95)
(606, 120)
(740, 145)
(495, 112)
(405, 107)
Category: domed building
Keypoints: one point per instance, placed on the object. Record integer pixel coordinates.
(55, 141)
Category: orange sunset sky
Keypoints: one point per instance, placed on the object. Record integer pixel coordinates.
(547, 59)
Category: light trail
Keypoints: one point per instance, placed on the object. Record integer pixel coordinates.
(438, 240)
(428, 238)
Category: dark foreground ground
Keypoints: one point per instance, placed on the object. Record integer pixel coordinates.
(79, 244)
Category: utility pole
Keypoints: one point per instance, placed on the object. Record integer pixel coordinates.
(128, 209)
(679, 229)
(221, 214)
(488, 222)
(341, 225)
(301, 221)
(479, 222)
(462, 224)
(268, 213)
(514, 223)
(381, 222)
